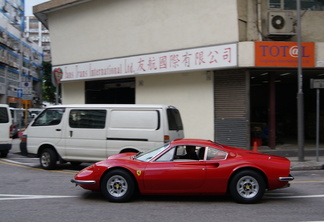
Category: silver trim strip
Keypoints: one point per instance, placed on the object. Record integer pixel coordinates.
(83, 181)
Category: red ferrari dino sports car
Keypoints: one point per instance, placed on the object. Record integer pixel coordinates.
(187, 167)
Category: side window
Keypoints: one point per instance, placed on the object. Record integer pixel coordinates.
(4, 115)
(49, 117)
(215, 154)
(90, 119)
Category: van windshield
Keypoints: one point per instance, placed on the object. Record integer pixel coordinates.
(174, 119)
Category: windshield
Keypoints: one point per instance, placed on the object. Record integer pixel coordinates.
(147, 156)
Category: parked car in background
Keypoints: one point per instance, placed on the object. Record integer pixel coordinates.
(18, 120)
(214, 169)
(90, 133)
(5, 130)
(33, 113)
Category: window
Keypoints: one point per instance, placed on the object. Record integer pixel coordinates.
(315, 5)
(90, 119)
(49, 117)
(174, 119)
(4, 115)
(215, 154)
(168, 156)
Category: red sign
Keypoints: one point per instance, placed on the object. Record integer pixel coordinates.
(57, 74)
(284, 54)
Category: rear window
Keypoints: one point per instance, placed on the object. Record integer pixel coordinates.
(4, 118)
(174, 119)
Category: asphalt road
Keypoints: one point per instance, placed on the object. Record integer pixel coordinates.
(28, 193)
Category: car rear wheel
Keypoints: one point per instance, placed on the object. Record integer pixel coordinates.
(118, 186)
(247, 187)
(48, 159)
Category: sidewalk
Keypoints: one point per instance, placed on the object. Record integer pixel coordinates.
(290, 151)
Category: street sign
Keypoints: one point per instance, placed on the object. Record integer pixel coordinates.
(19, 93)
(317, 83)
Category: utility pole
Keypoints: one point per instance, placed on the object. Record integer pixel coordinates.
(300, 94)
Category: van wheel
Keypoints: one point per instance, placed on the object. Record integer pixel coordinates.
(74, 163)
(48, 158)
(4, 153)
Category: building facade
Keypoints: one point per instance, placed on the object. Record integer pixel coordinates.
(35, 31)
(229, 66)
(20, 59)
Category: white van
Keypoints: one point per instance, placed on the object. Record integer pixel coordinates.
(90, 133)
(5, 130)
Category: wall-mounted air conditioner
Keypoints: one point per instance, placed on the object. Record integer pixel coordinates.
(281, 23)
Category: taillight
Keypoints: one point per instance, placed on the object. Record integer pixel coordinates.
(166, 138)
(23, 138)
(12, 127)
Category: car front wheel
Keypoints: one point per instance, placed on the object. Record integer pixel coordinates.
(48, 158)
(118, 186)
(247, 187)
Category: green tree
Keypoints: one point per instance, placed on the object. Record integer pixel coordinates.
(49, 90)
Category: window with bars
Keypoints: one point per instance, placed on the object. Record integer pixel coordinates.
(314, 5)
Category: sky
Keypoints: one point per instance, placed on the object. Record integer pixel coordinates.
(29, 6)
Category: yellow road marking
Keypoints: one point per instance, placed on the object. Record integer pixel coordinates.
(19, 165)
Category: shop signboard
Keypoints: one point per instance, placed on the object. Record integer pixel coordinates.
(284, 54)
(204, 58)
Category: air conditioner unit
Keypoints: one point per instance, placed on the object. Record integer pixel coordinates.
(281, 23)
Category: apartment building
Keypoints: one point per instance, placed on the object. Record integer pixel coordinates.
(35, 31)
(229, 66)
(20, 59)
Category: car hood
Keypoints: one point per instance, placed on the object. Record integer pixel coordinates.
(122, 156)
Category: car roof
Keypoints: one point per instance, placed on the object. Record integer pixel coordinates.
(202, 142)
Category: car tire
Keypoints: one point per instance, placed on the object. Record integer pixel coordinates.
(247, 187)
(118, 186)
(47, 159)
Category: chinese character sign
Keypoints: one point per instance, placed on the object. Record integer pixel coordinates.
(212, 57)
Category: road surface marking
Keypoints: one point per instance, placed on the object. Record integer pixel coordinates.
(29, 197)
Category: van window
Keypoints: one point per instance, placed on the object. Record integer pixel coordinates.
(49, 117)
(135, 119)
(174, 119)
(4, 118)
(90, 119)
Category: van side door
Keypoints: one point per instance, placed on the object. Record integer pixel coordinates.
(86, 135)
(46, 129)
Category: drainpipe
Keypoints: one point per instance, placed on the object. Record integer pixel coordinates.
(259, 20)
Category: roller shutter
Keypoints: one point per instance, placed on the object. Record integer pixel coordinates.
(231, 99)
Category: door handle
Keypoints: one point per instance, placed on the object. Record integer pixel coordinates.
(71, 133)
(58, 129)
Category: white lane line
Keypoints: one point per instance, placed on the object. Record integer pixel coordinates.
(19, 163)
(29, 197)
(296, 197)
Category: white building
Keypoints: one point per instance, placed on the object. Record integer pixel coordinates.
(229, 66)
